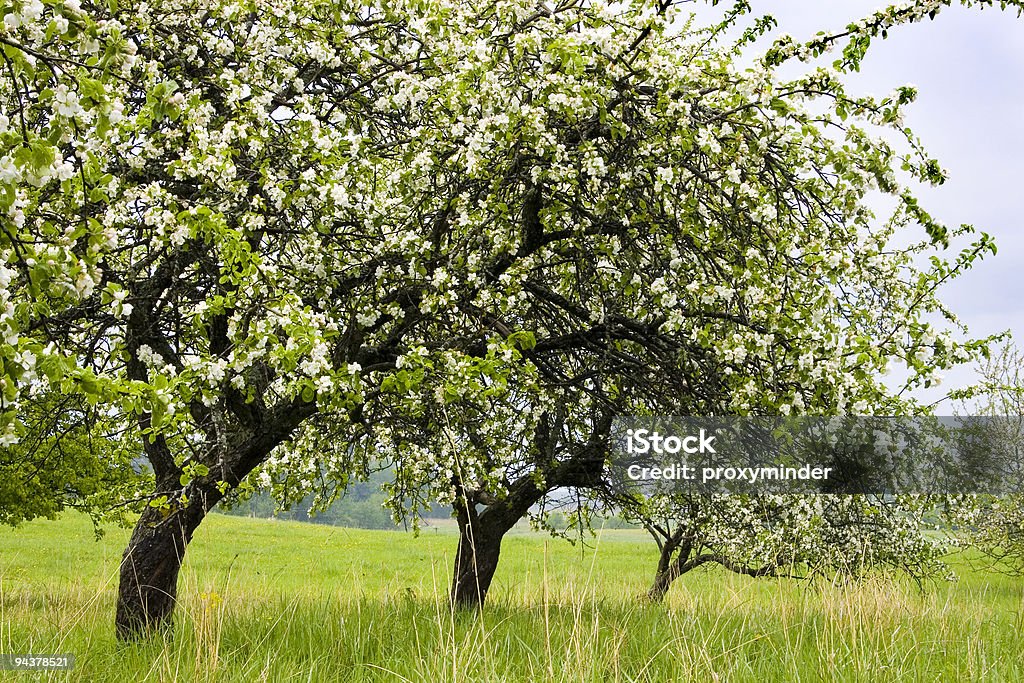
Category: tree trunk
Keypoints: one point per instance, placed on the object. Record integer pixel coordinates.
(669, 569)
(480, 533)
(662, 582)
(149, 569)
(475, 562)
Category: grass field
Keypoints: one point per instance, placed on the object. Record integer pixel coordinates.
(282, 601)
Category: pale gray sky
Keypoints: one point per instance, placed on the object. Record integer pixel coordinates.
(968, 66)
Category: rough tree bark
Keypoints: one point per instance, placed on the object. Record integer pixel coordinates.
(669, 569)
(148, 587)
(476, 560)
(147, 592)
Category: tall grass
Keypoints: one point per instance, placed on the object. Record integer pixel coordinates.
(275, 601)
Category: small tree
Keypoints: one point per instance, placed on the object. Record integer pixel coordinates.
(994, 524)
(788, 535)
(876, 511)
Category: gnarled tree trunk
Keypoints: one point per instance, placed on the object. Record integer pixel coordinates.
(662, 582)
(149, 568)
(148, 587)
(476, 560)
(669, 568)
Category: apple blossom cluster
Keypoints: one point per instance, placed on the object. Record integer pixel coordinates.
(62, 62)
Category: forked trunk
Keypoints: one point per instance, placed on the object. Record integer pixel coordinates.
(662, 582)
(669, 568)
(480, 533)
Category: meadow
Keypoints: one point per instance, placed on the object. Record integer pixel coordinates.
(265, 600)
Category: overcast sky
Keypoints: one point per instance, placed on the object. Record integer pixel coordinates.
(968, 66)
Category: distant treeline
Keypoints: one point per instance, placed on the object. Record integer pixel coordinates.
(361, 507)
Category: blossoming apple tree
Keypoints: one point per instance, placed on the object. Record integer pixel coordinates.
(205, 233)
(675, 235)
(993, 522)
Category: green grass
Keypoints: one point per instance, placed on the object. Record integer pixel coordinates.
(282, 601)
